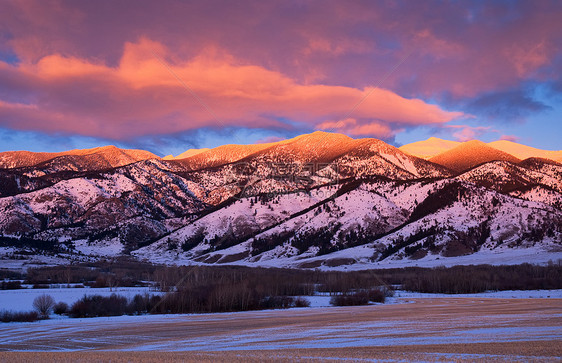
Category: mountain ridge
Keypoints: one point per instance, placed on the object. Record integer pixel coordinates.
(112, 154)
(315, 201)
(434, 146)
(224, 154)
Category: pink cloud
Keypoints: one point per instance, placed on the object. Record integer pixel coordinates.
(467, 133)
(463, 48)
(140, 96)
(352, 127)
(257, 64)
(438, 48)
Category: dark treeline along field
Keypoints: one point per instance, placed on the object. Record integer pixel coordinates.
(293, 282)
(199, 289)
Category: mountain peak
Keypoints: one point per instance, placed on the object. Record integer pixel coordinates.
(328, 133)
(428, 148)
(470, 154)
(322, 136)
(474, 143)
(319, 145)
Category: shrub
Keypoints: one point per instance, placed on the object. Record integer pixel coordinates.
(9, 274)
(10, 285)
(377, 295)
(388, 291)
(350, 299)
(359, 297)
(301, 302)
(142, 304)
(44, 304)
(277, 302)
(60, 308)
(101, 281)
(10, 316)
(96, 305)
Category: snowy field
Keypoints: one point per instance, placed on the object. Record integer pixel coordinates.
(22, 299)
(449, 328)
(507, 294)
(504, 326)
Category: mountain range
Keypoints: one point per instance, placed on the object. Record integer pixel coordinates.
(320, 200)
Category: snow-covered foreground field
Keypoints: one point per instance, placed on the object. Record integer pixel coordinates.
(432, 328)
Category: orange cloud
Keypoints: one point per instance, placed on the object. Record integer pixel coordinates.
(140, 95)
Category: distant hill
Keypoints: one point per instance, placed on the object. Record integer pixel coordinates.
(111, 156)
(470, 154)
(434, 146)
(524, 152)
(428, 148)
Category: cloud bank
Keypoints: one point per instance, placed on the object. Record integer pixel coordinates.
(148, 92)
(86, 67)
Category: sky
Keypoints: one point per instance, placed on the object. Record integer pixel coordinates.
(167, 76)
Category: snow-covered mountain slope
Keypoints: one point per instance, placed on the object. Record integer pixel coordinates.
(90, 206)
(428, 148)
(541, 194)
(374, 157)
(505, 176)
(319, 200)
(368, 224)
(98, 158)
(470, 154)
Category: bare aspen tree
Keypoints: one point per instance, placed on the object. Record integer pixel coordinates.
(44, 304)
